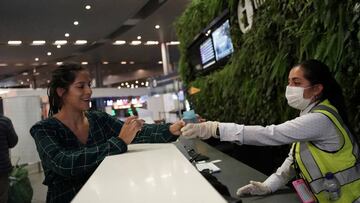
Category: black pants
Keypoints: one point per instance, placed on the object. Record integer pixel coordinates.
(4, 187)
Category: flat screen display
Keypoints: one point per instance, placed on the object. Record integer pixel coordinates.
(222, 41)
(207, 53)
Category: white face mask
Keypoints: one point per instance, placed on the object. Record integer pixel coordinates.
(295, 97)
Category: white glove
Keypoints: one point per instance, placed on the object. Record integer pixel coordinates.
(254, 188)
(203, 130)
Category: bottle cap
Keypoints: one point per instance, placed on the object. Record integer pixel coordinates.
(329, 175)
(189, 117)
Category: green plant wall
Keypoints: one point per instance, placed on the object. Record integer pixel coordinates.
(250, 88)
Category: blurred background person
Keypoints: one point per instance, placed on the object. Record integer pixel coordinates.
(8, 139)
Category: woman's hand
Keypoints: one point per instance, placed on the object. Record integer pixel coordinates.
(175, 128)
(131, 126)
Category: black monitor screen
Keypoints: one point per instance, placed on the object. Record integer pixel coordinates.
(222, 41)
(207, 53)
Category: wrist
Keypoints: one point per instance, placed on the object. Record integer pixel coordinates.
(215, 129)
(217, 134)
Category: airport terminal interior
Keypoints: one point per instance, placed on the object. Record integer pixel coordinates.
(213, 86)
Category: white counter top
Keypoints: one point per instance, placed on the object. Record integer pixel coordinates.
(148, 173)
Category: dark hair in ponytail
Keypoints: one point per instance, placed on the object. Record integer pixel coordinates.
(319, 73)
(62, 77)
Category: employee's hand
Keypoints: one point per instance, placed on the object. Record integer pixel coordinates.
(131, 126)
(203, 130)
(175, 128)
(254, 188)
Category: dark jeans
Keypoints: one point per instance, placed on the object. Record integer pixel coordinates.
(4, 187)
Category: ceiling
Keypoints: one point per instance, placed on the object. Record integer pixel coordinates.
(105, 22)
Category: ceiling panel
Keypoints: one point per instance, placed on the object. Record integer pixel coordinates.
(105, 22)
(43, 19)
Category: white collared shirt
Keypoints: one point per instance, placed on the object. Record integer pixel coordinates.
(314, 127)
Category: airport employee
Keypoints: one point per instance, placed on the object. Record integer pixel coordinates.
(322, 142)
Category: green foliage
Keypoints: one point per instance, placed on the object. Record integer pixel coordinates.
(250, 88)
(20, 187)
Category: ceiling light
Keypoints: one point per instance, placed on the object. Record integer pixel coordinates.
(35, 64)
(136, 82)
(105, 62)
(3, 64)
(19, 64)
(160, 62)
(80, 42)
(59, 63)
(25, 73)
(48, 81)
(119, 42)
(119, 87)
(58, 46)
(151, 43)
(38, 42)
(14, 43)
(22, 82)
(36, 59)
(76, 22)
(87, 7)
(138, 37)
(135, 42)
(37, 73)
(44, 64)
(173, 43)
(157, 26)
(67, 34)
(126, 83)
(49, 53)
(122, 84)
(84, 63)
(147, 83)
(142, 83)
(28, 79)
(208, 33)
(132, 62)
(123, 62)
(60, 42)
(136, 86)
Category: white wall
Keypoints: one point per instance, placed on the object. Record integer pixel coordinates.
(161, 105)
(156, 105)
(169, 106)
(24, 112)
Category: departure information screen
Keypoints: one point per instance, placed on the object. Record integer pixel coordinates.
(222, 41)
(207, 53)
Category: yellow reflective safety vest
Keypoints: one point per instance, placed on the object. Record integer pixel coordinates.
(314, 163)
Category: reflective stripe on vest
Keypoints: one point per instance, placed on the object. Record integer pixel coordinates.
(309, 162)
(346, 176)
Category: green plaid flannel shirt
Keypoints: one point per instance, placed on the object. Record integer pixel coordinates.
(68, 163)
